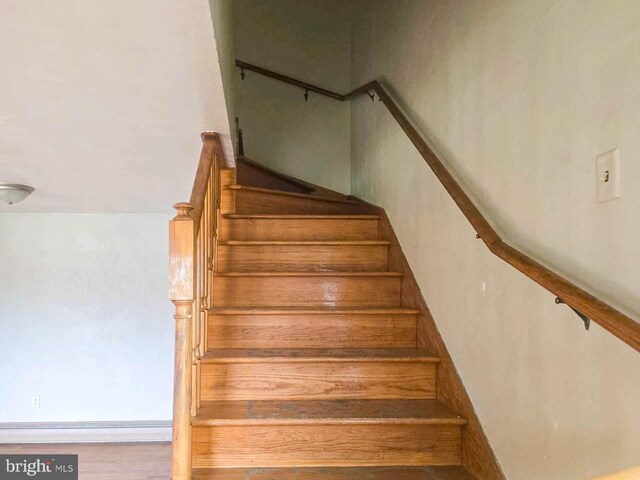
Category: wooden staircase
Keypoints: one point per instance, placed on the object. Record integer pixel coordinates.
(311, 368)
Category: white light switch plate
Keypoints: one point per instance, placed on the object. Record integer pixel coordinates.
(608, 175)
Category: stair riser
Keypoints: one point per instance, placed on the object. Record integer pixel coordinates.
(295, 291)
(318, 380)
(247, 202)
(300, 258)
(311, 331)
(255, 176)
(326, 445)
(298, 229)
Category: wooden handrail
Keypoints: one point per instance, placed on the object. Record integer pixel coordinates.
(286, 79)
(192, 251)
(200, 183)
(612, 320)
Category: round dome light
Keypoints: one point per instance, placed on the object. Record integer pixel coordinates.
(14, 192)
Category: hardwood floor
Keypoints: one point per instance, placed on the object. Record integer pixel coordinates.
(108, 461)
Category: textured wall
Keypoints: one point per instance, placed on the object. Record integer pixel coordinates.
(85, 319)
(309, 41)
(518, 97)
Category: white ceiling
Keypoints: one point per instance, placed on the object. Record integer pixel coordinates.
(102, 102)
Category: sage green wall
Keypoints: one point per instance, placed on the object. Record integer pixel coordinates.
(518, 97)
(310, 41)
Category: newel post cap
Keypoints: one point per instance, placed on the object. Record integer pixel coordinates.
(183, 209)
(208, 136)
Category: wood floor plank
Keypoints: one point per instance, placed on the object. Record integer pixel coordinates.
(108, 461)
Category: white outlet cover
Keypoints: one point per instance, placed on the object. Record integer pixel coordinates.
(608, 175)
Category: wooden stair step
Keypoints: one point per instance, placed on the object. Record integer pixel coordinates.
(298, 227)
(303, 355)
(335, 473)
(283, 193)
(311, 328)
(301, 412)
(277, 216)
(325, 445)
(317, 374)
(309, 274)
(313, 311)
(326, 432)
(338, 243)
(307, 289)
(313, 255)
(246, 200)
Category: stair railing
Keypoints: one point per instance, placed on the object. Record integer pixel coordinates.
(192, 253)
(582, 302)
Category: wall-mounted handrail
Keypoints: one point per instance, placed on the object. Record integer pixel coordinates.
(290, 80)
(192, 250)
(612, 320)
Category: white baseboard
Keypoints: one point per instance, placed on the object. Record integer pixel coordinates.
(86, 432)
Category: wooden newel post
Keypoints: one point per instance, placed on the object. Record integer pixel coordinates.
(181, 290)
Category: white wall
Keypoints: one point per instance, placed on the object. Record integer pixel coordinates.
(518, 97)
(107, 93)
(84, 318)
(101, 111)
(309, 41)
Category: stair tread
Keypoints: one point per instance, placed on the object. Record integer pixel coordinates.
(305, 242)
(261, 412)
(309, 274)
(283, 193)
(335, 473)
(313, 311)
(249, 216)
(299, 355)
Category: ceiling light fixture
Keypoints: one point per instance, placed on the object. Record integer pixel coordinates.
(14, 192)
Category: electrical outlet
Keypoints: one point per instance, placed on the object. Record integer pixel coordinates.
(35, 401)
(608, 175)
